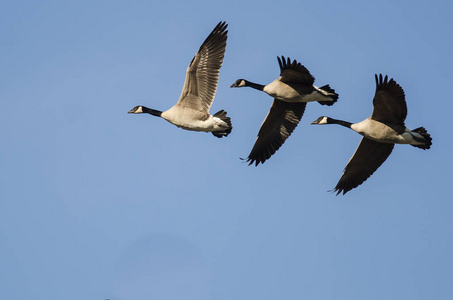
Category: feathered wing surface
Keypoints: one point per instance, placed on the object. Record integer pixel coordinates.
(294, 72)
(367, 158)
(283, 117)
(203, 72)
(278, 125)
(389, 102)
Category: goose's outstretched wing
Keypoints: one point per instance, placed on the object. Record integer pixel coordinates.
(294, 72)
(389, 102)
(203, 71)
(367, 158)
(278, 125)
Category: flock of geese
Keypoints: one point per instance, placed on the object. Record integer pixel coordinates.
(291, 92)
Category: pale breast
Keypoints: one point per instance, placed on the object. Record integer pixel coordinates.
(376, 131)
(189, 119)
(282, 91)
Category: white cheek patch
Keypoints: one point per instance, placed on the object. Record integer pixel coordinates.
(323, 121)
(139, 110)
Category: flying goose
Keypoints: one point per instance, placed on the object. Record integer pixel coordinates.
(291, 93)
(191, 112)
(380, 132)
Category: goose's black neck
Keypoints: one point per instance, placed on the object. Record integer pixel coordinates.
(254, 85)
(339, 122)
(153, 112)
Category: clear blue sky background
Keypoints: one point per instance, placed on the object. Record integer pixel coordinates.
(97, 204)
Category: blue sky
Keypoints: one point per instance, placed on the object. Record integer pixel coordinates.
(98, 204)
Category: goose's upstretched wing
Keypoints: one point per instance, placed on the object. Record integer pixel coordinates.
(294, 72)
(203, 71)
(389, 102)
(367, 158)
(278, 125)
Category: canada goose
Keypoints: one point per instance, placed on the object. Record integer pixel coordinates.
(191, 112)
(380, 132)
(291, 93)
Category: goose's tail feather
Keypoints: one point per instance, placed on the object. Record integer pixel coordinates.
(327, 91)
(426, 138)
(228, 127)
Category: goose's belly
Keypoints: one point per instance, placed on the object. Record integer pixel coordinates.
(282, 91)
(378, 131)
(189, 119)
(293, 93)
(383, 133)
(195, 125)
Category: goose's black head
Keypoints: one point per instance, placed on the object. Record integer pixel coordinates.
(136, 110)
(239, 83)
(322, 120)
(139, 109)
